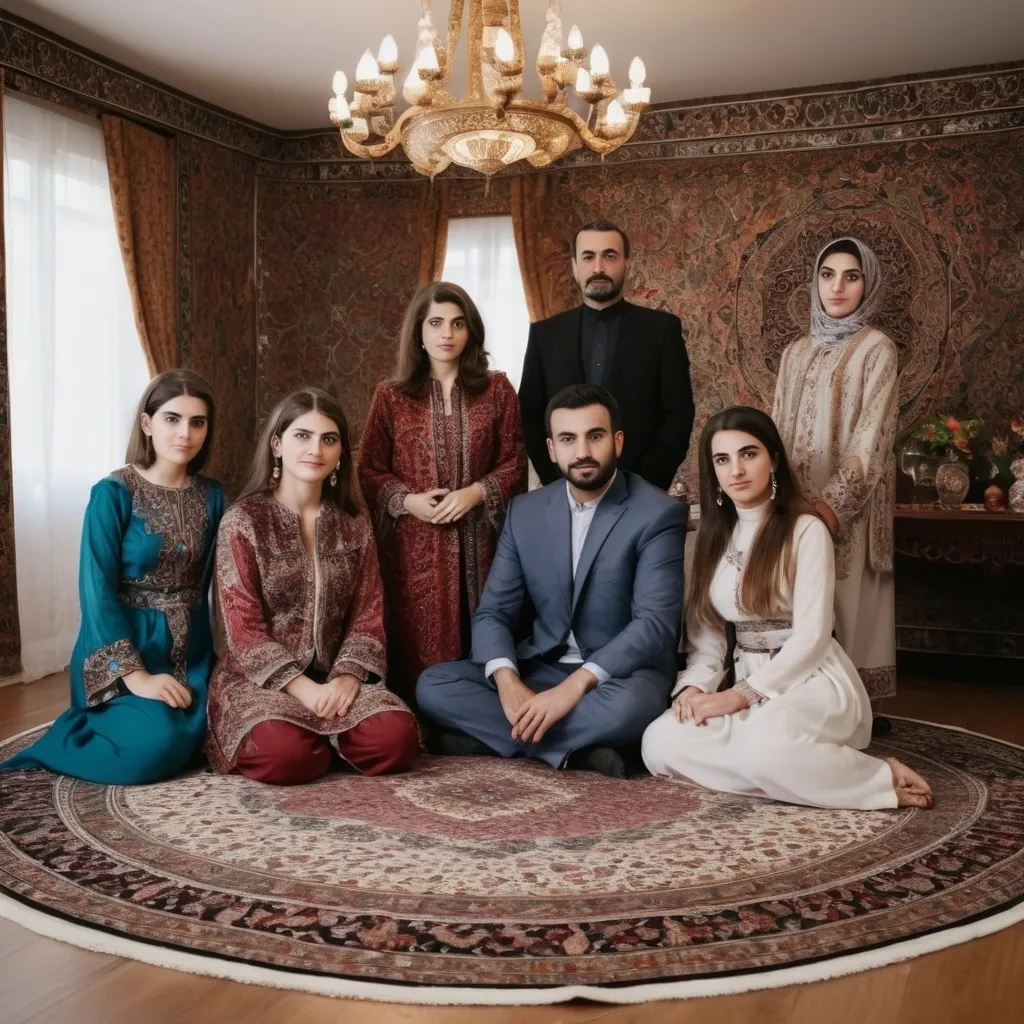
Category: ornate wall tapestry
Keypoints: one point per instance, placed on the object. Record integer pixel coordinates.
(336, 266)
(295, 262)
(729, 245)
(219, 307)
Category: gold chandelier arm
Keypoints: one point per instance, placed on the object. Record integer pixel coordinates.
(598, 143)
(516, 29)
(454, 31)
(474, 51)
(391, 141)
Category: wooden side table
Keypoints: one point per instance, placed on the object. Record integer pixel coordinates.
(959, 578)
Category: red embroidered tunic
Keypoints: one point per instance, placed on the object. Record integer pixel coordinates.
(279, 622)
(409, 446)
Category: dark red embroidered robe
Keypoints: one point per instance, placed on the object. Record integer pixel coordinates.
(409, 446)
(279, 623)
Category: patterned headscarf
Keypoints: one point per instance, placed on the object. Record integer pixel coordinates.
(827, 330)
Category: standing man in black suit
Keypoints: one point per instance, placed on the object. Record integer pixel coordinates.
(638, 354)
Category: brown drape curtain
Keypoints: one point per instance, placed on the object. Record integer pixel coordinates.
(10, 625)
(529, 200)
(433, 232)
(142, 169)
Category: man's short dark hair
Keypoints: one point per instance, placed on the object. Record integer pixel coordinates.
(602, 225)
(579, 396)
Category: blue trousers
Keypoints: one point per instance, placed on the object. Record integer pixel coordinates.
(457, 695)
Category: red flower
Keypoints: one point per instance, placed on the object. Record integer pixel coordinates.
(961, 442)
(953, 423)
(931, 434)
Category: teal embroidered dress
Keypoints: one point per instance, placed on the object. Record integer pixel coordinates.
(144, 577)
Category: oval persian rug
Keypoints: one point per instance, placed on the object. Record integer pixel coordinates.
(488, 881)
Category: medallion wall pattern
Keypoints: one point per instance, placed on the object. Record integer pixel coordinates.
(728, 245)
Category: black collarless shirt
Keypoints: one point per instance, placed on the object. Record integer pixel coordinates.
(599, 339)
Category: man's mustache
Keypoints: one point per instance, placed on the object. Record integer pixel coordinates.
(585, 464)
(599, 277)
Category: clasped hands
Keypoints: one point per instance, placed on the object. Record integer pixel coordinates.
(694, 705)
(442, 506)
(532, 714)
(326, 700)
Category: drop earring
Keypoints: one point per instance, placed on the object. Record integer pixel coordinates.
(334, 474)
(276, 475)
(775, 486)
(718, 499)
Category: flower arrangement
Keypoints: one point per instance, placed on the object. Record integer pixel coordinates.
(948, 436)
(1004, 448)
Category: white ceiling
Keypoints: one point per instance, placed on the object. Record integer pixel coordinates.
(272, 60)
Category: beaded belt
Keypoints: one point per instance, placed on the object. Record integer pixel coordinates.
(764, 636)
(146, 595)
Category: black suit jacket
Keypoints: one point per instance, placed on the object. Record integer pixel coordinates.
(649, 377)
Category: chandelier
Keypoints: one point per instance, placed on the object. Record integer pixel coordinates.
(492, 126)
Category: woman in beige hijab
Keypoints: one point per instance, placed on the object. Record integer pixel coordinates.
(835, 407)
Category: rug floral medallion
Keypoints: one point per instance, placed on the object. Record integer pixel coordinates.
(481, 872)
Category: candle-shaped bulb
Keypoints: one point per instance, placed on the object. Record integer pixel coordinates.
(427, 59)
(575, 41)
(637, 73)
(366, 69)
(504, 48)
(388, 53)
(598, 61)
(583, 82)
(340, 83)
(615, 116)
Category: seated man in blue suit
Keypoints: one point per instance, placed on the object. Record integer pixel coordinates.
(600, 556)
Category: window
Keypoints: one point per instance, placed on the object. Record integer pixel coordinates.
(481, 257)
(76, 366)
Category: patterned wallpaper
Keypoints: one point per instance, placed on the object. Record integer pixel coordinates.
(217, 301)
(296, 262)
(729, 245)
(336, 266)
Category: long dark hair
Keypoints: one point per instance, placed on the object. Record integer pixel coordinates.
(770, 562)
(162, 389)
(413, 370)
(285, 413)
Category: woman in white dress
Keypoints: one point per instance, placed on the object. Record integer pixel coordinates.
(794, 725)
(836, 401)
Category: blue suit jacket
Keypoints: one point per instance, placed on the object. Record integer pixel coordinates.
(625, 604)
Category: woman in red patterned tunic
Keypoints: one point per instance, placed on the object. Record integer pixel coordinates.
(303, 611)
(440, 459)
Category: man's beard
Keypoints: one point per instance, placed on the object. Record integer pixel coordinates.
(594, 483)
(601, 288)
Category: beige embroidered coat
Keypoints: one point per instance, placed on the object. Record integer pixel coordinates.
(836, 408)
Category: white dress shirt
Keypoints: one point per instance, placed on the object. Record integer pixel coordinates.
(581, 516)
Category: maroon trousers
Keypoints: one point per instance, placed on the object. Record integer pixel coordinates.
(282, 753)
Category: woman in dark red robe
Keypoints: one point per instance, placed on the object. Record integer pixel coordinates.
(441, 457)
(302, 684)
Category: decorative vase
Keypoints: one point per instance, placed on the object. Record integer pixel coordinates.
(1017, 489)
(921, 468)
(952, 480)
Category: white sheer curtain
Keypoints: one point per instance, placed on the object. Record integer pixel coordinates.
(481, 256)
(76, 366)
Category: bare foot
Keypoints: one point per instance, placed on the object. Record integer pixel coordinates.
(911, 789)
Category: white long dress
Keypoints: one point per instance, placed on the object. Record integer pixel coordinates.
(802, 739)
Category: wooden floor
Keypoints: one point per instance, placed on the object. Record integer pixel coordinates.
(982, 981)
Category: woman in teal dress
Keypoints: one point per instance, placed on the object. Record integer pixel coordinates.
(144, 654)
